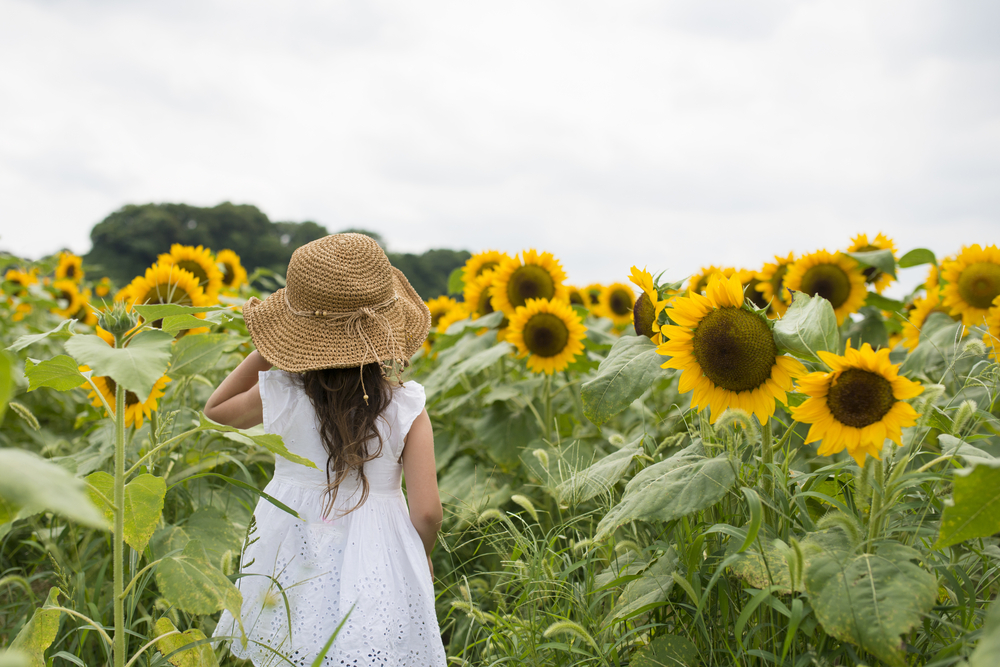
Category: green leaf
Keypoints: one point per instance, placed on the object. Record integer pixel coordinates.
(505, 432)
(649, 589)
(256, 435)
(987, 652)
(61, 373)
(916, 257)
(27, 480)
(39, 633)
(143, 504)
(14, 658)
(136, 367)
(173, 646)
(216, 532)
(870, 600)
(159, 311)
(939, 344)
(809, 326)
(763, 564)
(6, 381)
(600, 477)
(63, 329)
(192, 583)
(876, 300)
(671, 489)
(176, 323)
(455, 283)
(870, 329)
(630, 368)
(440, 382)
(878, 259)
(975, 507)
(971, 455)
(193, 355)
(667, 651)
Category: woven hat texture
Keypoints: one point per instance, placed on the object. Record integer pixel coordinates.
(343, 305)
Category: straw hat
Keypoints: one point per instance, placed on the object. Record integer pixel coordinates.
(343, 305)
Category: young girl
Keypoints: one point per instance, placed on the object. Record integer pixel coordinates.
(344, 314)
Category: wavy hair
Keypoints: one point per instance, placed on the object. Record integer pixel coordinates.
(347, 422)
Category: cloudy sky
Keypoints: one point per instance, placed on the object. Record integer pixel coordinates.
(667, 134)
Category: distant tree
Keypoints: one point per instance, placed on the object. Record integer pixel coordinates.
(428, 273)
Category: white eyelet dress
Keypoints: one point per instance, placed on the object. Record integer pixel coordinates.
(371, 558)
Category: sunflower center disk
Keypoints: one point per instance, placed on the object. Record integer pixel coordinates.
(620, 302)
(735, 349)
(871, 273)
(643, 315)
(194, 267)
(529, 282)
(576, 299)
(751, 292)
(487, 266)
(228, 273)
(130, 398)
(484, 306)
(860, 398)
(545, 335)
(979, 284)
(828, 281)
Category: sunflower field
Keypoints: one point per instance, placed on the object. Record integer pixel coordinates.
(780, 466)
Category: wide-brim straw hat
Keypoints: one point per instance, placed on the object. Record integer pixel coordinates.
(343, 305)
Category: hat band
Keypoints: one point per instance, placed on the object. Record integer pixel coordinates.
(343, 316)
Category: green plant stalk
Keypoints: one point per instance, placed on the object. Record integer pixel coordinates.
(874, 519)
(766, 463)
(118, 537)
(548, 408)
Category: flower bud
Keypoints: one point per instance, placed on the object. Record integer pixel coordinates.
(118, 320)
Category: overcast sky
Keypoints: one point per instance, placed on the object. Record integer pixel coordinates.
(667, 134)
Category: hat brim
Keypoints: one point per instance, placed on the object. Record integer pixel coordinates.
(299, 343)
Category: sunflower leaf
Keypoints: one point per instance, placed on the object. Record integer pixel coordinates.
(136, 367)
(599, 477)
(143, 504)
(916, 257)
(987, 652)
(30, 339)
(870, 329)
(672, 650)
(194, 355)
(174, 323)
(882, 260)
(153, 312)
(27, 480)
(61, 373)
(455, 283)
(975, 507)
(808, 327)
(191, 582)
(256, 435)
(178, 645)
(883, 302)
(631, 367)
(39, 632)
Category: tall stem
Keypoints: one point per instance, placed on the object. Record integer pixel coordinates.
(548, 407)
(767, 468)
(118, 537)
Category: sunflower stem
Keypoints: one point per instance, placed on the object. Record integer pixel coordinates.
(767, 462)
(548, 407)
(874, 519)
(118, 537)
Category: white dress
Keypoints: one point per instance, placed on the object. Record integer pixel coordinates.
(371, 558)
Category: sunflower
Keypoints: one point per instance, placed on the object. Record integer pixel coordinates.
(922, 308)
(477, 295)
(833, 276)
(973, 282)
(165, 283)
(200, 263)
(103, 288)
(617, 303)
(480, 263)
(992, 336)
(593, 292)
(68, 291)
(878, 280)
(548, 332)
(933, 280)
(647, 308)
(134, 409)
(577, 297)
(771, 286)
(70, 267)
(726, 352)
(233, 273)
(456, 314)
(22, 278)
(440, 307)
(529, 275)
(858, 404)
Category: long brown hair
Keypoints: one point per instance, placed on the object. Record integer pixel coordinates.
(347, 421)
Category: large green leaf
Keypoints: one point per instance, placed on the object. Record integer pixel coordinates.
(6, 381)
(870, 600)
(763, 564)
(455, 283)
(630, 368)
(216, 532)
(39, 632)
(649, 589)
(869, 329)
(193, 355)
(13, 658)
(987, 653)
(667, 651)
(136, 367)
(916, 257)
(505, 432)
(975, 507)
(143, 504)
(671, 489)
(256, 435)
(158, 311)
(63, 329)
(809, 326)
(198, 656)
(599, 477)
(61, 373)
(877, 259)
(192, 583)
(940, 338)
(478, 362)
(29, 481)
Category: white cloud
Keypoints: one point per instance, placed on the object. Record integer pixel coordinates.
(667, 134)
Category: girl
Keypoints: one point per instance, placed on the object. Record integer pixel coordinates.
(344, 315)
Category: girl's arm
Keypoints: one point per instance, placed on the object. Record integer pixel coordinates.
(236, 402)
(421, 482)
